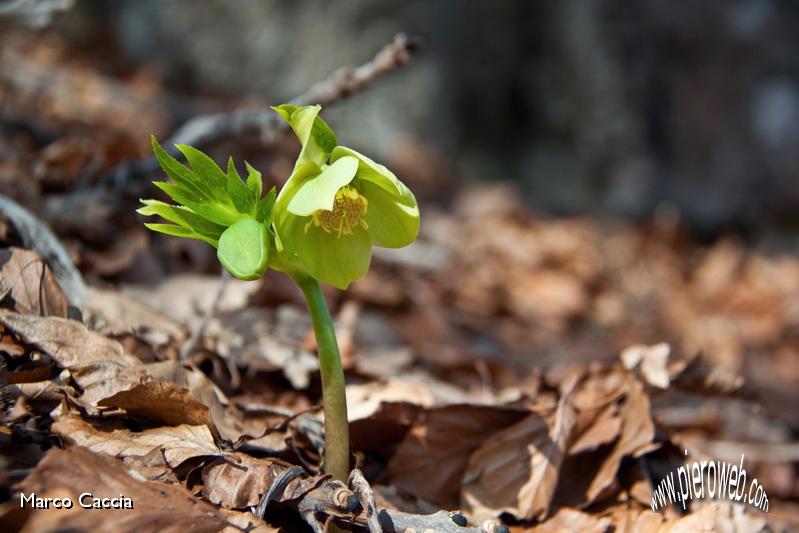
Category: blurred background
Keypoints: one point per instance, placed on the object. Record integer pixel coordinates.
(599, 107)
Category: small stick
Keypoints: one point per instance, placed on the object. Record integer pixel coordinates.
(205, 129)
(277, 488)
(361, 488)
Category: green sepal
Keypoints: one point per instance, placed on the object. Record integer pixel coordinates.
(244, 249)
(315, 136)
(320, 192)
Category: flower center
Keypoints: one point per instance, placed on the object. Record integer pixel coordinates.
(349, 207)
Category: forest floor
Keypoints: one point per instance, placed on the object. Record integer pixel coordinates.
(543, 373)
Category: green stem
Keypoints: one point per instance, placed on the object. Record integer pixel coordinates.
(337, 437)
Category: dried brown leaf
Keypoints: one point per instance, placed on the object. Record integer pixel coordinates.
(108, 377)
(236, 481)
(157, 506)
(637, 431)
(431, 459)
(573, 521)
(517, 470)
(29, 286)
(176, 443)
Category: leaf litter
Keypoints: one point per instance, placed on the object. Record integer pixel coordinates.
(544, 373)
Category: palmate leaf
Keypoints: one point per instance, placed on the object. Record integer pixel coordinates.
(183, 216)
(210, 200)
(264, 208)
(179, 231)
(254, 181)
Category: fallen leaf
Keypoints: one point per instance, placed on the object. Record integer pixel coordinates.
(156, 506)
(176, 443)
(637, 431)
(431, 460)
(516, 471)
(29, 286)
(117, 313)
(108, 377)
(573, 521)
(653, 360)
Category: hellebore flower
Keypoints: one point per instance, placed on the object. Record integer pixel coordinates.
(336, 204)
(216, 207)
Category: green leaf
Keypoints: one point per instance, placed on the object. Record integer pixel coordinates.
(182, 216)
(254, 181)
(212, 210)
(244, 249)
(181, 175)
(206, 170)
(179, 231)
(264, 209)
(320, 192)
(315, 136)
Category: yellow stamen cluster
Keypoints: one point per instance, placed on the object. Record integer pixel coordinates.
(348, 210)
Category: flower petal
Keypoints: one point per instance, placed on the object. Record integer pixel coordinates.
(320, 192)
(393, 219)
(326, 256)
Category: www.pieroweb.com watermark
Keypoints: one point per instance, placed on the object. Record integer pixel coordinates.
(709, 479)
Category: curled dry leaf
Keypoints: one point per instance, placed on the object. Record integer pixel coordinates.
(157, 506)
(110, 378)
(176, 443)
(236, 481)
(653, 360)
(637, 432)
(517, 470)
(431, 460)
(28, 285)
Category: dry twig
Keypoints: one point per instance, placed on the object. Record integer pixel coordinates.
(203, 130)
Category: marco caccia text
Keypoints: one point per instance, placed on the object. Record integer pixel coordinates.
(86, 500)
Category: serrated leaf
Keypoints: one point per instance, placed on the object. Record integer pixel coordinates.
(254, 181)
(212, 210)
(240, 195)
(265, 205)
(179, 231)
(207, 171)
(182, 216)
(179, 173)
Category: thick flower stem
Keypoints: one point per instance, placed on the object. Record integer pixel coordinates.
(337, 437)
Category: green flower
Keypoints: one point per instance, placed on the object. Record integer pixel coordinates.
(216, 207)
(336, 204)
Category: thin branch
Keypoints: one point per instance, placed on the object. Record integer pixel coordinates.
(361, 488)
(203, 130)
